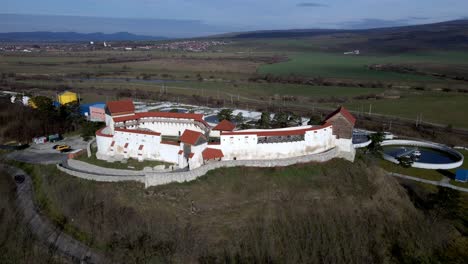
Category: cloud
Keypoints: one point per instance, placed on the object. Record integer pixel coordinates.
(311, 4)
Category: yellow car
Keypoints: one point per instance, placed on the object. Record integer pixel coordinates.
(62, 148)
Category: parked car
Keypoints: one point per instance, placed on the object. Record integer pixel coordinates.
(62, 148)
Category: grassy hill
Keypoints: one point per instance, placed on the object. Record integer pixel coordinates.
(337, 212)
(445, 35)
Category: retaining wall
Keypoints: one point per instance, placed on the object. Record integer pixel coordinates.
(84, 166)
(100, 178)
(420, 165)
(152, 178)
(88, 147)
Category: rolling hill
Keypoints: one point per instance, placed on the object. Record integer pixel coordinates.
(444, 35)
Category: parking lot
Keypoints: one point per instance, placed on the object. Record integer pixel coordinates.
(45, 154)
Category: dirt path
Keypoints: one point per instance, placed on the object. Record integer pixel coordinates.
(45, 230)
(445, 182)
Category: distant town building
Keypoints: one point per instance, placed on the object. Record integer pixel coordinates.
(354, 52)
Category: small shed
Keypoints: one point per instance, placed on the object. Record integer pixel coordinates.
(461, 175)
(84, 109)
(40, 140)
(67, 97)
(97, 112)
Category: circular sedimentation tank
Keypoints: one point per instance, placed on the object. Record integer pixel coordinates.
(425, 155)
(361, 140)
(212, 119)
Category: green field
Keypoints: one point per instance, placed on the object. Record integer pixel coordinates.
(435, 107)
(336, 65)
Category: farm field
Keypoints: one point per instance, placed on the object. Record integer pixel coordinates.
(227, 77)
(432, 105)
(435, 107)
(337, 65)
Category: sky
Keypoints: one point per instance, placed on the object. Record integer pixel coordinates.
(188, 18)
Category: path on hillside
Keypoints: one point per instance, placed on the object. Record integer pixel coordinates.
(445, 182)
(45, 230)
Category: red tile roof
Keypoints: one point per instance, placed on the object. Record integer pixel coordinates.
(191, 137)
(120, 107)
(180, 152)
(191, 155)
(344, 112)
(100, 134)
(125, 118)
(225, 125)
(167, 142)
(210, 153)
(273, 132)
(136, 131)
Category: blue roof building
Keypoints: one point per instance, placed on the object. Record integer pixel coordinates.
(462, 175)
(84, 108)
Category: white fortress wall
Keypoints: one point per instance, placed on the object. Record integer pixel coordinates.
(197, 159)
(150, 142)
(244, 147)
(215, 133)
(168, 153)
(169, 127)
(103, 143)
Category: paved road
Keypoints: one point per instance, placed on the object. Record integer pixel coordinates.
(45, 230)
(44, 153)
(445, 182)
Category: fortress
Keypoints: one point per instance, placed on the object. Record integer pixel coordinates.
(187, 140)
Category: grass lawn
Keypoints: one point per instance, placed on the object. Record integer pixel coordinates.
(132, 164)
(432, 175)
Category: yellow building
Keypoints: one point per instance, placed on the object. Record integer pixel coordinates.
(67, 97)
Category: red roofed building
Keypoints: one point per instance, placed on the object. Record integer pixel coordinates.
(119, 108)
(147, 135)
(211, 154)
(343, 123)
(192, 137)
(224, 125)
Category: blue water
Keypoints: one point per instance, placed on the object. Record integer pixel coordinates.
(428, 155)
(212, 119)
(358, 139)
